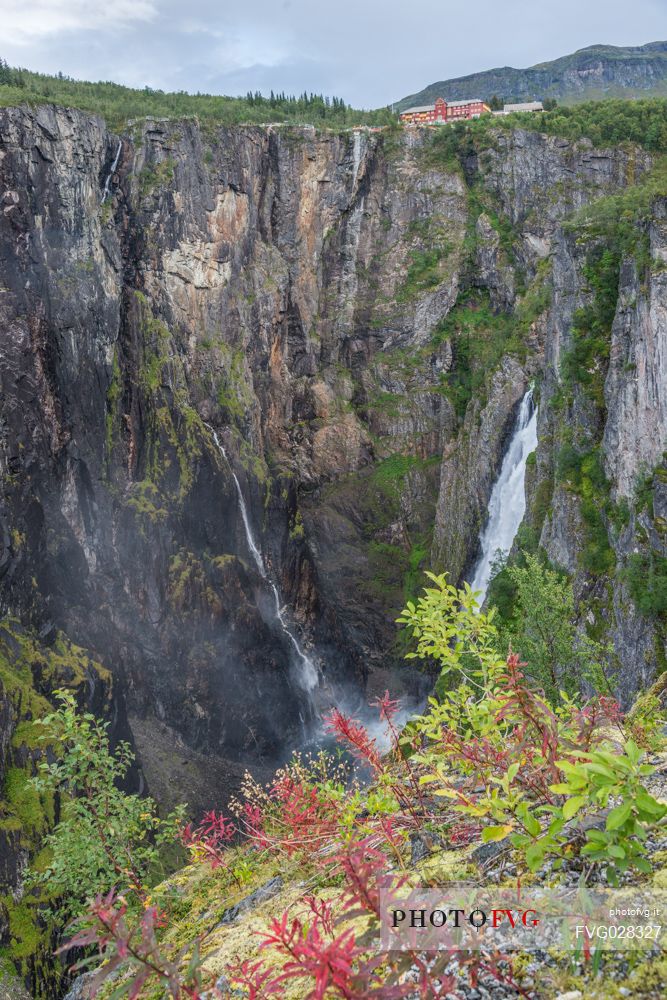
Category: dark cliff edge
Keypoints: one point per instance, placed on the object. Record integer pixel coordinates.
(357, 317)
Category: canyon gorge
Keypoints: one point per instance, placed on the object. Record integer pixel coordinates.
(256, 379)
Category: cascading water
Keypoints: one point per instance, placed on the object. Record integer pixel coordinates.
(507, 504)
(107, 183)
(254, 551)
(356, 156)
(307, 675)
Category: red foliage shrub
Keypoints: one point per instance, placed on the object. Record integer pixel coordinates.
(121, 944)
(329, 963)
(211, 838)
(257, 981)
(356, 736)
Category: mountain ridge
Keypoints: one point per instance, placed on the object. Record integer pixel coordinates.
(586, 74)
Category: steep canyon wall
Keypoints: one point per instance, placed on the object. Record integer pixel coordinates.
(357, 316)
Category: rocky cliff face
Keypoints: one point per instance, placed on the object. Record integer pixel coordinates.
(250, 282)
(356, 317)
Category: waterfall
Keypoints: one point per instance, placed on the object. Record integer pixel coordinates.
(307, 674)
(508, 499)
(254, 551)
(107, 183)
(356, 156)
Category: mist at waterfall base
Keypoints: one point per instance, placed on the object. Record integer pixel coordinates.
(316, 694)
(312, 687)
(507, 504)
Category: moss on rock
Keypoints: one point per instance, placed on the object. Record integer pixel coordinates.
(29, 672)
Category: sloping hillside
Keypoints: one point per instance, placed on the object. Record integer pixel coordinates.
(588, 74)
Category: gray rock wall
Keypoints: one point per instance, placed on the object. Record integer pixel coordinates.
(289, 288)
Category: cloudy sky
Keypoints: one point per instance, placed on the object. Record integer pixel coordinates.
(369, 52)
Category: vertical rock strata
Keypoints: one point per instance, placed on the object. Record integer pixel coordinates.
(358, 319)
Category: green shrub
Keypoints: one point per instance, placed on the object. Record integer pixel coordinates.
(494, 748)
(583, 474)
(646, 577)
(105, 837)
(586, 361)
(538, 619)
(480, 338)
(603, 777)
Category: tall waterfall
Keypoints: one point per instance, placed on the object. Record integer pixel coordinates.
(507, 504)
(107, 183)
(307, 675)
(356, 156)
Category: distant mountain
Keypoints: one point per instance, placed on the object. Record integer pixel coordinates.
(588, 74)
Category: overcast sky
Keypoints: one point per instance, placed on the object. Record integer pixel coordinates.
(369, 52)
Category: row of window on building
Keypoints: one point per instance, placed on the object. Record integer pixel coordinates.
(449, 111)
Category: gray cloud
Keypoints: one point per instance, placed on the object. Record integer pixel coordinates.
(27, 24)
(370, 51)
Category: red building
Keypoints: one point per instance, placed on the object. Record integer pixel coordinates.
(444, 111)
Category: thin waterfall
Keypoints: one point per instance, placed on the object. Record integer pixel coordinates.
(107, 183)
(356, 156)
(254, 551)
(307, 674)
(507, 504)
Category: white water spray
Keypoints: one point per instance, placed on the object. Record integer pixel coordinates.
(507, 504)
(107, 183)
(307, 673)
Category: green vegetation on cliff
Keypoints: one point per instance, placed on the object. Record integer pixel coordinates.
(117, 104)
(608, 233)
(480, 339)
(586, 361)
(606, 123)
(646, 576)
(282, 897)
(29, 672)
(581, 472)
